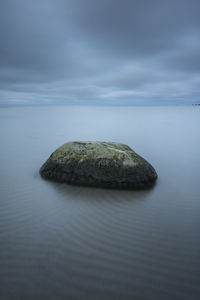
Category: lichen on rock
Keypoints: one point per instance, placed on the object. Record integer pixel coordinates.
(100, 164)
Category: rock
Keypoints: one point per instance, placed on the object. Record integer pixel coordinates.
(99, 164)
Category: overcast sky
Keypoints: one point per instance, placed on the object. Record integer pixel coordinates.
(100, 51)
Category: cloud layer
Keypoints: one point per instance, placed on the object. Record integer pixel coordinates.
(99, 52)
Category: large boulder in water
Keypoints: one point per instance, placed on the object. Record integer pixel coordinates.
(99, 164)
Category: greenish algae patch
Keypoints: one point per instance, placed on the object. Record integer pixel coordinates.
(95, 150)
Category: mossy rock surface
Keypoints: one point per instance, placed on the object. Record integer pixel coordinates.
(99, 164)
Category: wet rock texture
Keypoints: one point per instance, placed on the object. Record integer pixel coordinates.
(100, 164)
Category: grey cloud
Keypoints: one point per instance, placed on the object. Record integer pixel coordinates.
(91, 51)
(32, 38)
(185, 60)
(133, 27)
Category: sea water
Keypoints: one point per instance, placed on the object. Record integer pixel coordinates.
(61, 242)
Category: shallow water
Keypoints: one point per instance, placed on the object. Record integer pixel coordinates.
(68, 242)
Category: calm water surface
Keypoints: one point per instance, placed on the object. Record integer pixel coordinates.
(61, 242)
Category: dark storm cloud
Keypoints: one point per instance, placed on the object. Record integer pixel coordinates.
(134, 27)
(30, 37)
(91, 51)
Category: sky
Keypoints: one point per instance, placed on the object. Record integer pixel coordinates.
(115, 52)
